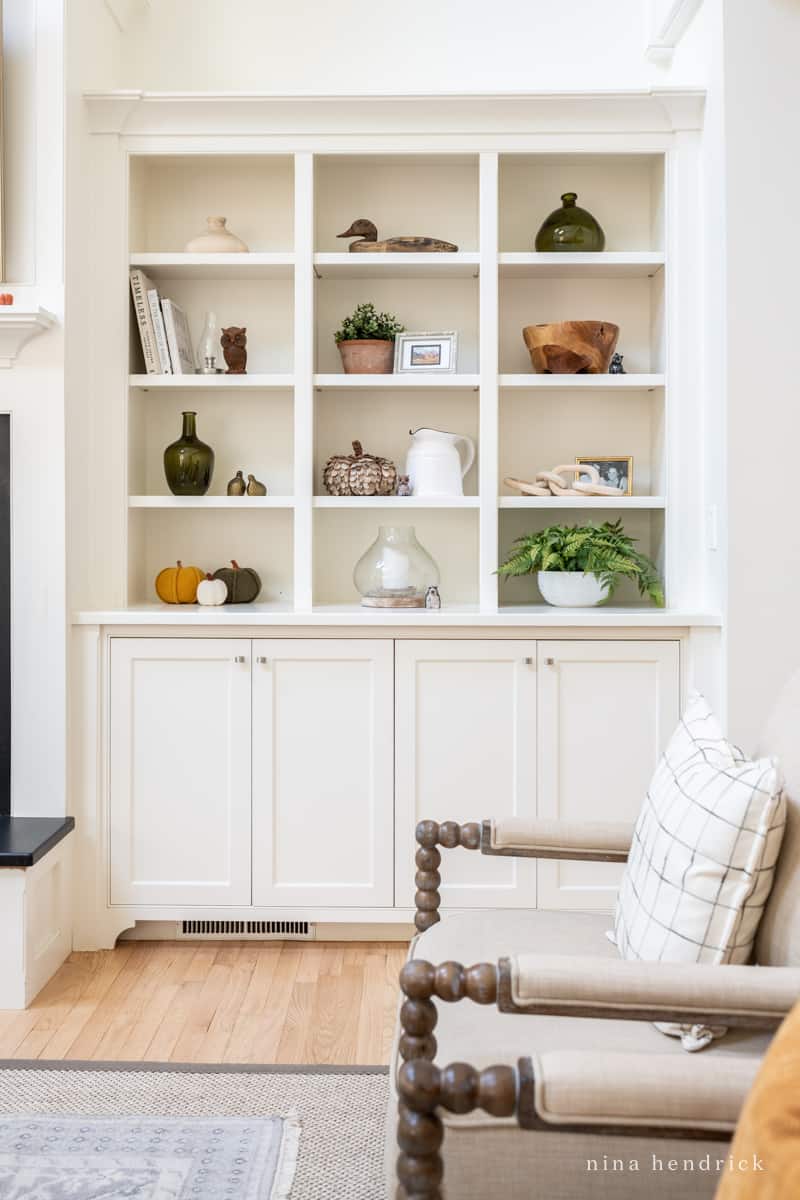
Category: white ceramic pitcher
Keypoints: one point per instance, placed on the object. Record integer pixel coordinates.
(434, 465)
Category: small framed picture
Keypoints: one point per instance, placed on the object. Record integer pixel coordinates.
(425, 352)
(616, 472)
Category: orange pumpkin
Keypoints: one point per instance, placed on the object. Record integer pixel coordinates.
(178, 584)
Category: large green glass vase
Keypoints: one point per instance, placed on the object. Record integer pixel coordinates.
(570, 228)
(189, 463)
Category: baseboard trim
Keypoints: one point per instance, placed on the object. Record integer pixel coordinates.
(167, 931)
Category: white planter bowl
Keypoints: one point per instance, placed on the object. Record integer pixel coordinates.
(572, 589)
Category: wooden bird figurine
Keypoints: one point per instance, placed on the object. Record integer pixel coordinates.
(368, 243)
(254, 488)
(237, 485)
(234, 348)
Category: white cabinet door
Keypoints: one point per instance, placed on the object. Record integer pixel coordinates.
(322, 772)
(465, 750)
(606, 710)
(180, 771)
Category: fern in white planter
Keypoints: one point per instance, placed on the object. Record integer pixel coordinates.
(591, 560)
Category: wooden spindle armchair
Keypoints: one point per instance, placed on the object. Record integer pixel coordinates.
(585, 1097)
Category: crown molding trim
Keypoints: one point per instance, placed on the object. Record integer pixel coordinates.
(652, 110)
(669, 28)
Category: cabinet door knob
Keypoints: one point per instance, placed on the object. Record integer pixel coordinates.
(549, 662)
(261, 659)
(240, 658)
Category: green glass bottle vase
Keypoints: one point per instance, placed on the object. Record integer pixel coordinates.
(570, 228)
(189, 463)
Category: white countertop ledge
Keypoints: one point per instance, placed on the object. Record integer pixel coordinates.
(542, 616)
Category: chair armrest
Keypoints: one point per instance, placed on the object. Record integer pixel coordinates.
(595, 841)
(692, 993)
(653, 1094)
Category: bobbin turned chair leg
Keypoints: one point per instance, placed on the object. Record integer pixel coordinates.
(459, 1088)
(423, 1087)
(429, 835)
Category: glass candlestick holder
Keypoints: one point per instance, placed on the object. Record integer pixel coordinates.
(208, 347)
(396, 571)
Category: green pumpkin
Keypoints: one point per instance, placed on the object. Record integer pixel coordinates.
(242, 583)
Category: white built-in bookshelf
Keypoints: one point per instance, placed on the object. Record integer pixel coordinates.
(295, 407)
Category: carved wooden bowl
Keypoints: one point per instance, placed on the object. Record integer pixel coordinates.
(571, 347)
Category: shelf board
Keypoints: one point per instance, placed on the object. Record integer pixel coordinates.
(609, 382)
(609, 264)
(463, 263)
(186, 382)
(396, 502)
(237, 502)
(406, 380)
(507, 616)
(221, 266)
(582, 502)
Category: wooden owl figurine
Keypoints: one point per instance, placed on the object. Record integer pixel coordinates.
(234, 347)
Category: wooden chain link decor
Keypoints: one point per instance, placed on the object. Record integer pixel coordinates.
(424, 1087)
(429, 835)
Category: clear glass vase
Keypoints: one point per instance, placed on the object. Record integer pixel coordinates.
(396, 571)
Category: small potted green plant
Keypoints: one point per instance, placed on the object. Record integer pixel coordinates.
(579, 566)
(366, 341)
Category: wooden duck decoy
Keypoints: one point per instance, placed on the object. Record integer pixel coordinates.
(368, 243)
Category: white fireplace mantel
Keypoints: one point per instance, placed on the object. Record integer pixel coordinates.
(18, 326)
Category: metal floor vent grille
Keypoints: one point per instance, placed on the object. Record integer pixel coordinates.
(301, 930)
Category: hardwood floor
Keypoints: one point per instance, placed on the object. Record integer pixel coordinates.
(274, 1002)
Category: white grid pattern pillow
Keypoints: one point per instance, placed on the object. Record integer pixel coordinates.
(704, 850)
(703, 856)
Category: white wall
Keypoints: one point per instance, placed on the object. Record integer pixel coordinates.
(762, 98)
(352, 47)
(33, 393)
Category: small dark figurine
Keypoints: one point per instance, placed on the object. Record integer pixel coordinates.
(367, 234)
(432, 598)
(234, 347)
(616, 367)
(403, 486)
(237, 486)
(254, 488)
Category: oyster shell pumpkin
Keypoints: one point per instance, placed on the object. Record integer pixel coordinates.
(359, 474)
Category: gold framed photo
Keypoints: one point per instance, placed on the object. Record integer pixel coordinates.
(616, 470)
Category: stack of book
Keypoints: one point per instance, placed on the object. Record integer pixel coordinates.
(163, 329)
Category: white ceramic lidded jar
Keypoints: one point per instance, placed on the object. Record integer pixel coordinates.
(435, 466)
(396, 571)
(216, 240)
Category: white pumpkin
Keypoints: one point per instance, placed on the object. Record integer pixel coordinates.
(212, 591)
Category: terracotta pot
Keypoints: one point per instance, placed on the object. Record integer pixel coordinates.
(367, 356)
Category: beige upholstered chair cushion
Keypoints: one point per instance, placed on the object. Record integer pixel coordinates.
(518, 834)
(704, 990)
(485, 1156)
(574, 1087)
(778, 940)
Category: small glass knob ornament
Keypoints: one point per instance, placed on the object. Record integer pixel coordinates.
(570, 228)
(208, 347)
(396, 571)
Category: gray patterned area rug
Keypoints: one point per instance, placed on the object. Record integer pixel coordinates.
(125, 1131)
